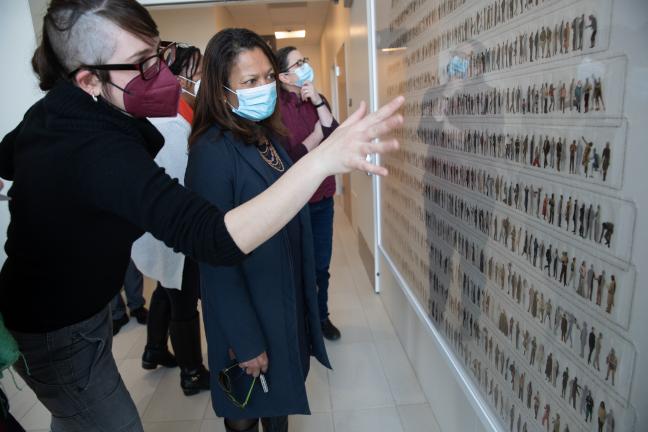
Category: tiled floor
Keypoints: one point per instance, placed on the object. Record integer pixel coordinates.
(372, 387)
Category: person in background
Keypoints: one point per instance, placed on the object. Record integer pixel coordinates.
(260, 316)
(85, 187)
(307, 116)
(134, 290)
(174, 302)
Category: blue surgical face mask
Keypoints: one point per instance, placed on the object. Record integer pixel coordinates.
(257, 103)
(304, 73)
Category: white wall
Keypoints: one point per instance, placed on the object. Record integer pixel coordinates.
(193, 25)
(18, 85)
(451, 405)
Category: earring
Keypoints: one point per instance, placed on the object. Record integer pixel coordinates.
(94, 98)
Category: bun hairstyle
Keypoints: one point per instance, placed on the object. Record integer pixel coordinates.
(82, 32)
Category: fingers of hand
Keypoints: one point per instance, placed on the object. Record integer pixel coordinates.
(363, 165)
(376, 130)
(357, 116)
(382, 146)
(385, 111)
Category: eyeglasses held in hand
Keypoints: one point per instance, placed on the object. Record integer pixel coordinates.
(227, 378)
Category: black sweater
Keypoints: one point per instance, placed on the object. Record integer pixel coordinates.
(85, 187)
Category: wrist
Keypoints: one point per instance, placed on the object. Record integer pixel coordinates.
(316, 165)
(319, 103)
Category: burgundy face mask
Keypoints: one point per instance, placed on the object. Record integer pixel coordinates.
(157, 97)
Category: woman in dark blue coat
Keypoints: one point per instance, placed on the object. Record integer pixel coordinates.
(261, 316)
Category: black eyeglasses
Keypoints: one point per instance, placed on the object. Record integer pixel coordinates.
(298, 63)
(148, 68)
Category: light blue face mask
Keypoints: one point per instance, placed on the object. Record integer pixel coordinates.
(304, 73)
(257, 103)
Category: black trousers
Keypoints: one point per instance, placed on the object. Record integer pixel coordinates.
(182, 303)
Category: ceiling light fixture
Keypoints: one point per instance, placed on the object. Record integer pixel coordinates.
(290, 34)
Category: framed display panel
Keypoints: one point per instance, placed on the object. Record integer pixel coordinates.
(503, 214)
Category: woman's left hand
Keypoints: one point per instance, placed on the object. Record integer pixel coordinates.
(309, 92)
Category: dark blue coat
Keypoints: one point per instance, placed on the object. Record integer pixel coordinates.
(251, 307)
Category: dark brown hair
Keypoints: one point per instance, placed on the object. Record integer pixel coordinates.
(60, 50)
(220, 55)
(282, 57)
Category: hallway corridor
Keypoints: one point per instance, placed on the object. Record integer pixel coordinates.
(373, 386)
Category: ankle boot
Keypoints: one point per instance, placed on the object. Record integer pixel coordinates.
(185, 338)
(253, 428)
(156, 352)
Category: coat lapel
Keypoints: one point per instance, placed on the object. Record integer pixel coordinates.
(251, 155)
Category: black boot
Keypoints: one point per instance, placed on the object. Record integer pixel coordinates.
(185, 337)
(156, 352)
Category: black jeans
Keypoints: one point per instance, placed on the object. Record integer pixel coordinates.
(73, 373)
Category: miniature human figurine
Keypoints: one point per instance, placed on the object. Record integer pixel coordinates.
(597, 351)
(598, 94)
(549, 367)
(608, 230)
(572, 162)
(536, 404)
(565, 380)
(600, 283)
(602, 414)
(612, 362)
(556, 423)
(586, 155)
(563, 269)
(589, 406)
(545, 416)
(568, 212)
(581, 281)
(597, 223)
(610, 421)
(605, 159)
(578, 95)
(587, 91)
(583, 339)
(575, 217)
(574, 391)
(592, 345)
(592, 25)
(590, 281)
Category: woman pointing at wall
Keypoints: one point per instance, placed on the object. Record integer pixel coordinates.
(85, 187)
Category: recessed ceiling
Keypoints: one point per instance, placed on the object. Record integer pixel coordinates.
(266, 17)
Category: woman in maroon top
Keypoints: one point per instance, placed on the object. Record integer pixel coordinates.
(308, 118)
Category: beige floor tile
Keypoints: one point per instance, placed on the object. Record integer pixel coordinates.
(402, 380)
(368, 420)
(418, 418)
(317, 388)
(173, 426)
(357, 380)
(316, 422)
(169, 403)
(142, 383)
